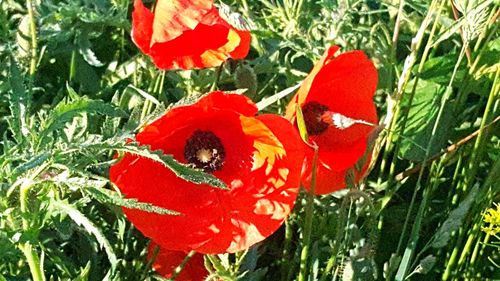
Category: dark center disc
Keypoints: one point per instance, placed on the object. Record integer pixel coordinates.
(205, 150)
(312, 112)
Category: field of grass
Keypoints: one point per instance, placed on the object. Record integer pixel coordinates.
(74, 88)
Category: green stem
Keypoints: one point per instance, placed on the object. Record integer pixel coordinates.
(475, 159)
(218, 73)
(343, 220)
(27, 249)
(478, 148)
(309, 218)
(404, 120)
(181, 266)
(34, 41)
(394, 106)
(72, 66)
(33, 261)
(286, 250)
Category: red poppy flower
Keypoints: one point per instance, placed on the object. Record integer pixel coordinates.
(166, 261)
(259, 158)
(336, 98)
(187, 34)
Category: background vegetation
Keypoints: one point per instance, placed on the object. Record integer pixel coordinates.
(73, 87)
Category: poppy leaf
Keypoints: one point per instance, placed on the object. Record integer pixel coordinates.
(84, 48)
(89, 226)
(34, 162)
(18, 102)
(66, 111)
(183, 171)
(107, 196)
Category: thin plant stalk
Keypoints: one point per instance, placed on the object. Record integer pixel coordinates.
(181, 266)
(286, 249)
(309, 209)
(412, 244)
(471, 172)
(394, 107)
(34, 41)
(33, 261)
(405, 118)
(36, 268)
(343, 220)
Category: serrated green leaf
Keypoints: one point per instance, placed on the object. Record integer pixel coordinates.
(18, 103)
(234, 19)
(181, 170)
(66, 111)
(32, 163)
(112, 197)
(84, 47)
(472, 20)
(80, 219)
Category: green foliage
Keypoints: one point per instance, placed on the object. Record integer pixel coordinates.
(421, 117)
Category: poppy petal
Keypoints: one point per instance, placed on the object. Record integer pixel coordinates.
(228, 101)
(243, 47)
(173, 17)
(328, 179)
(166, 261)
(303, 91)
(142, 26)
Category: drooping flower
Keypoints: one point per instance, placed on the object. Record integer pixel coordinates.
(166, 262)
(259, 158)
(336, 100)
(186, 34)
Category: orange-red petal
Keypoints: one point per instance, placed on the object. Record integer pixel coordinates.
(142, 26)
(173, 17)
(166, 261)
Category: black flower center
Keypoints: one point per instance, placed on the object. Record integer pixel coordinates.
(313, 112)
(205, 150)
